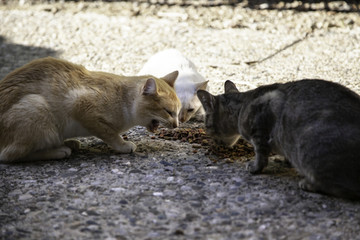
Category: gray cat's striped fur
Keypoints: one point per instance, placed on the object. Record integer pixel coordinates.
(315, 124)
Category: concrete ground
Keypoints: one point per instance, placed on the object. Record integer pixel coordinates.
(171, 189)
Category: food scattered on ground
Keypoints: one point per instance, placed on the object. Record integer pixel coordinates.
(242, 150)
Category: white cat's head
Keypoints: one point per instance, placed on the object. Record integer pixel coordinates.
(190, 103)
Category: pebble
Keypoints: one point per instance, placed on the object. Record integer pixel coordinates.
(118, 189)
(117, 171)
(158, 194)
(25, 197)
(170, 179)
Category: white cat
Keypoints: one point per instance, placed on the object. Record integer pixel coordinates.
(187, 84)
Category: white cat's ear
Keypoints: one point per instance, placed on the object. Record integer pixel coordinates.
(230, 87)
(207, 100)
(171, 77)
(150, 87)
(202, 85)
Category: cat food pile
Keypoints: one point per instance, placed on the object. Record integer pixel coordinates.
(240, 151)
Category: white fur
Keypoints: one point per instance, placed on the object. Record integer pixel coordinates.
(167, 61)
(185, 85)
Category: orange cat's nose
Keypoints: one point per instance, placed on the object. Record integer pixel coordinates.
(175, 124)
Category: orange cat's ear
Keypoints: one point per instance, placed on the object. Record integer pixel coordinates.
(202, 85)
(171, 77)
(207, 100)
(150, 87)
(230, 87)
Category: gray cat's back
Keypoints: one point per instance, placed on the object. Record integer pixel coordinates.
(314, 106)
(319, 132)
(310, 94)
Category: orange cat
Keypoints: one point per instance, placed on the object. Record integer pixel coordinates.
(49, 100)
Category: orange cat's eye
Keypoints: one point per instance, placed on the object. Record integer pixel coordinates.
(169, 112)
(190, 110)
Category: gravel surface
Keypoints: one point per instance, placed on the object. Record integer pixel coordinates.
(173, 189)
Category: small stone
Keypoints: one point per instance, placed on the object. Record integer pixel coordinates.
(25, 197)
(185, 188)
(117, 171)
(158, 194)
(170, 179)
(170, 193)
(72, 170)
(118, 189)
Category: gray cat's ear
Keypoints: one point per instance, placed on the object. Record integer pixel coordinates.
(150, 87)
(202, 85)
(171, 77)
(230, 87)
(207, 100)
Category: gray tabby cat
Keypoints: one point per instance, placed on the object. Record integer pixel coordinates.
(315, 124)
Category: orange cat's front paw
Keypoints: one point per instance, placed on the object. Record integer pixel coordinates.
(126, 147)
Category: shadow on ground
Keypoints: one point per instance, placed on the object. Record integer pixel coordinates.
(14, 55)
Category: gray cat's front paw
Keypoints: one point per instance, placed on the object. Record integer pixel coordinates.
(127, 147)
(253, 168)
(307, 186)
